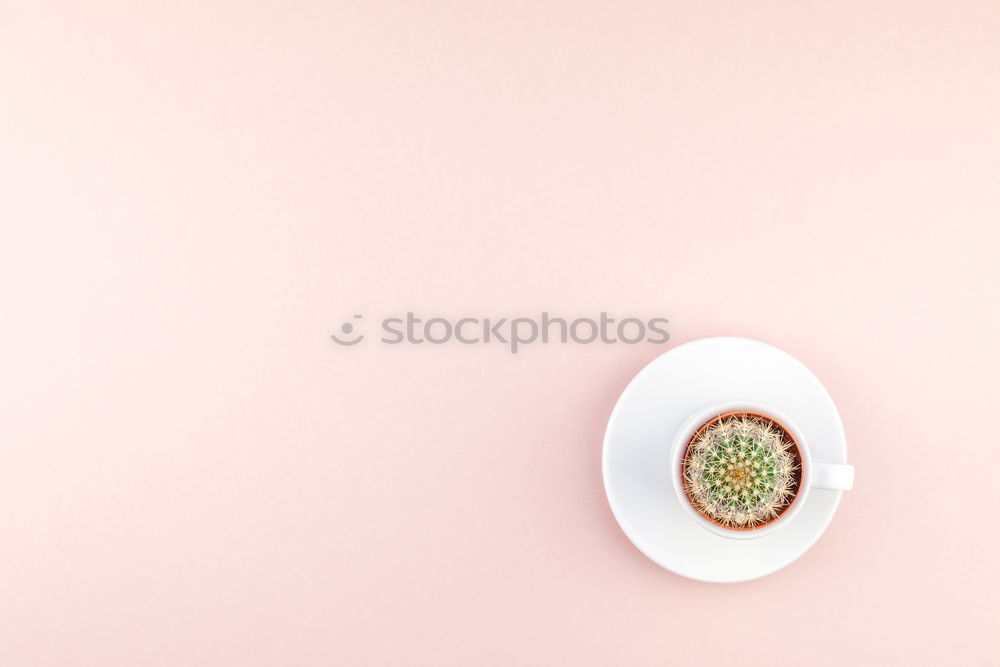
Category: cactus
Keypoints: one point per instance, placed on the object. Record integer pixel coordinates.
(739, 470)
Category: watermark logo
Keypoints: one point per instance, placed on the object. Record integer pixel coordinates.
(347, 332)
(514, 332)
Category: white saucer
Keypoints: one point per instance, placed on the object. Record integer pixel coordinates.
(637, 443)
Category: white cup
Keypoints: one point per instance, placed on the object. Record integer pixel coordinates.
(815, 474)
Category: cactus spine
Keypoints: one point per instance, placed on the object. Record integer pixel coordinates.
(740, 471)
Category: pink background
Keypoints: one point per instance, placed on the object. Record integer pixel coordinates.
(194, 195)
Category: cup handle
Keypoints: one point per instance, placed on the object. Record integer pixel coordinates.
(836, 476)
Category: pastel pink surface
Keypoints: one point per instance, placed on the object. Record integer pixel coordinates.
(193, 196)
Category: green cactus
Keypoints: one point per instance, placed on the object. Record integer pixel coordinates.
(740, 471)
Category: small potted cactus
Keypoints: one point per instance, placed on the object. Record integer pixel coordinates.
(741, 470)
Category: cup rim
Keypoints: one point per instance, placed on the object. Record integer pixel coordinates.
(700, 418)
